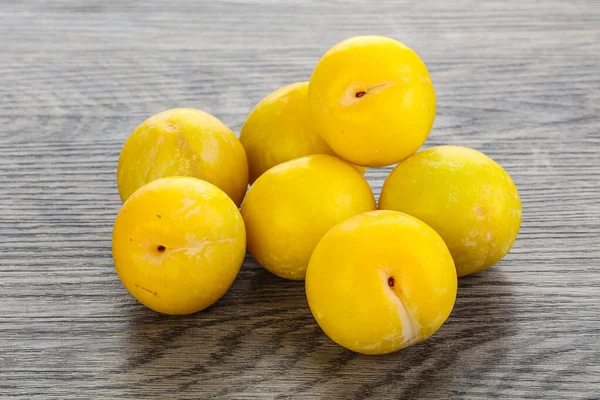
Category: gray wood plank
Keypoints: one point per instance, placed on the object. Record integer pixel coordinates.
(517, 80)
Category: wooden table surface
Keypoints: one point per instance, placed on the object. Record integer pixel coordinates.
(518, 80)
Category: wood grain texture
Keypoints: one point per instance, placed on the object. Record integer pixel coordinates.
(518, 80)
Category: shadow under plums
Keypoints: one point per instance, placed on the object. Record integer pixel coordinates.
(262, 334)
(255, 322)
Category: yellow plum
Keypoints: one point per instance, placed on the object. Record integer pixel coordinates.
(183, 142)
(178, 244)
(292, 205)
(380, 281)
(465, 196)
(280, 129)
(372, 100)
